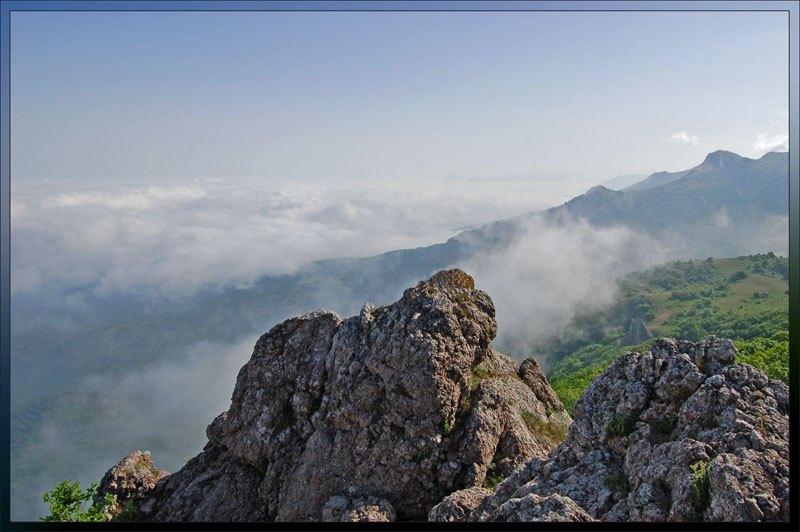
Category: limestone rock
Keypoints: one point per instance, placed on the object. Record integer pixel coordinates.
(131, 478)
(212, 486)
(404, 403)
(531, 507)
(637, 333)
(459, 506)
(366, 509)
(679, 433)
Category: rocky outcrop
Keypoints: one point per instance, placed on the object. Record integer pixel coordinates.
(210, 487)
(535, 508)
(679, 433)
(374, 417)
(367, 509)
(460, 506)
(132, 478)
(637, 333)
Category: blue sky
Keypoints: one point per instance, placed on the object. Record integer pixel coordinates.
(310, 97)
(149, 148)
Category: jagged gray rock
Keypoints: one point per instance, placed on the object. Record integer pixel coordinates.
(637, 333)
(348, 510)
(531, 507)
(459, 506)
(131, 478)
(210, 487)
(404, 404)
(679, 433)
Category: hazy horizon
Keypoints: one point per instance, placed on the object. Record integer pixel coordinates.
(158, 154)
(319, 96)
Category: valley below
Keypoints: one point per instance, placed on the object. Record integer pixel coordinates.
(695, 256)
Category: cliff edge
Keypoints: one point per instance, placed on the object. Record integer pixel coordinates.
(374, 417)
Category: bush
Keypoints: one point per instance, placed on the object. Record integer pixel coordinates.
(617, 482)
(67, 501)
(570, 388)
(492, 481)
(661, 429)
(771, 355)
(701, 486)
(621, 426)
(552, 431)
(738, 276)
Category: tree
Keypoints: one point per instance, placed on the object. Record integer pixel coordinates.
(67, 500)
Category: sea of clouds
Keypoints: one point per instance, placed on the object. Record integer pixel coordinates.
(169, 239)
(81, 247)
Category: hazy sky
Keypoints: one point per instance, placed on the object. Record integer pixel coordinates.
(160, 151)
(387, 96)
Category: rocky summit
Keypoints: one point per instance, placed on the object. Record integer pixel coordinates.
(376, 417)
(406, 412)
(679, 433)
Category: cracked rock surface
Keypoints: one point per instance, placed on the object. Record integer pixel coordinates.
(373, 417)
(679, 433)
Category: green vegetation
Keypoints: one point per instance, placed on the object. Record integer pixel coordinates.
(617, 482)
(447, 425)
(67, 501)
(744, 299)
(769, 354)
(129, 512)
(570, 388)
(492, 481)
(479, 374)
(554, 432)
(661, 429)
(701, 486)
(621, 426)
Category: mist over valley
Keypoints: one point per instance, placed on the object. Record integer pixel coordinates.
(130, 335)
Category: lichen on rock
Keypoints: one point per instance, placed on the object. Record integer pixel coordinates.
(403, 403)
(679, 433)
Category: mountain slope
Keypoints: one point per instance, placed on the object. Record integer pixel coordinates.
(723, 207)
(622, 181)
(657, 179)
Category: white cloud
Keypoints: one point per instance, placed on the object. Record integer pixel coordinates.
(170, 240)
(163, 407)
(684, 137)
(766, 142)
(150, 198)
(779, 118)
(563, 268)
(721, 218)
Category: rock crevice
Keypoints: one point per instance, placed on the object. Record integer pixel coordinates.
(390, 410)
(679, 433)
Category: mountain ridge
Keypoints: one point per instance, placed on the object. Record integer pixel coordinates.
(343, 284)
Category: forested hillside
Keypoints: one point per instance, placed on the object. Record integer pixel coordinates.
(744, 299)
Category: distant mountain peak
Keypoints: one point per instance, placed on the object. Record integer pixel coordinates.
(719, 158)
(600, 189)
(774, 155)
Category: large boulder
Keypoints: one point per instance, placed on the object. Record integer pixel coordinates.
(680, 433)
(637, 333)
(402, 404)
(131, 478)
